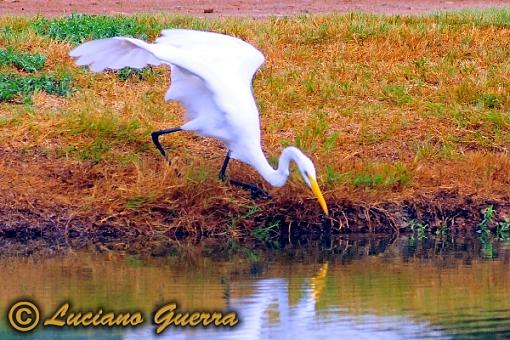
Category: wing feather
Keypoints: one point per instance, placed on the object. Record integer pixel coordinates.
(114, 53)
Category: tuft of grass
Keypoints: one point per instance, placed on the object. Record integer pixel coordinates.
(97, 134)
(397, 94)
(488, 216)
(95, 151)
(333, 176)
(147, 73)
(330, 142)
(127, 72)
(490, 101)
(382, 175)
(267, 234)
(503, 230)
(442, 231)
(485, 224)
(198, 173)
(494, 18)
(313, 132)
(129, 159)
(429, 149)
(418, 228)
(373, 175)
(107, 125)
(237, 218)
(22, 61)
(136, 202)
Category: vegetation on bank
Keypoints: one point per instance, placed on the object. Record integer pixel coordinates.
(391, 109)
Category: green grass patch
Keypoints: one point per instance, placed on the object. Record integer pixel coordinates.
(503, 230)
(499, 18)
(434, 149)
(78, 28)
(146, 73)
(419, 230)
(136, 202)
(397, 94)
(490, 101)
(129, 72)
(313, 133)
(372, 175)
(332, 176)
(382, 175)
(106, 125)
(13, 85)
(22, 61)
(96, 151)
(267, 234)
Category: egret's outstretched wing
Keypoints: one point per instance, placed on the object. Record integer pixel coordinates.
(213, 49)
(116, 53)
(217, 49)
(221, 66)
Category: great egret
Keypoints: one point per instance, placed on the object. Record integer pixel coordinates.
(211, 75)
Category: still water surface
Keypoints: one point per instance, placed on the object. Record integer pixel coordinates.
(365, 289)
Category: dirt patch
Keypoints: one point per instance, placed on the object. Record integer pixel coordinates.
(236, 8)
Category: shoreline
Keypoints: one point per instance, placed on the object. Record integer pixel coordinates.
(446, 212)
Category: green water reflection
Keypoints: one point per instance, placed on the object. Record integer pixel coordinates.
(374, 288)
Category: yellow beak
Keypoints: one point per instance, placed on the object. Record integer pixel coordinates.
(317, 192)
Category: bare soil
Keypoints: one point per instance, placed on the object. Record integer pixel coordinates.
(251, 8)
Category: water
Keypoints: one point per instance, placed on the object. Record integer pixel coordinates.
(366, 289)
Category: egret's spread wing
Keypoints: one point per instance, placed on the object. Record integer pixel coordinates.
(184, 48)
(119, 52)
(221, 69)
(114, 53)
(219, 50)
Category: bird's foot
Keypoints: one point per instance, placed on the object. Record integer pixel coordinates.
(255, 191)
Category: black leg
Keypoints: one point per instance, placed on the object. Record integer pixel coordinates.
(224, 167)
(155, 139)
(252, 188)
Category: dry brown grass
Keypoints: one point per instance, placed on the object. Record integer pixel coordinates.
(389, 108)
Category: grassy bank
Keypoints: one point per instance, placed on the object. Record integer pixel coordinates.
(406, 118)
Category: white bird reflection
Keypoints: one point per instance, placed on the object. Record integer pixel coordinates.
(268, 314)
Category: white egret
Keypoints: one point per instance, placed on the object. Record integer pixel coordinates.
(211, 75)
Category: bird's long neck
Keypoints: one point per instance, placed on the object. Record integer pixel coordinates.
(275, 177)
